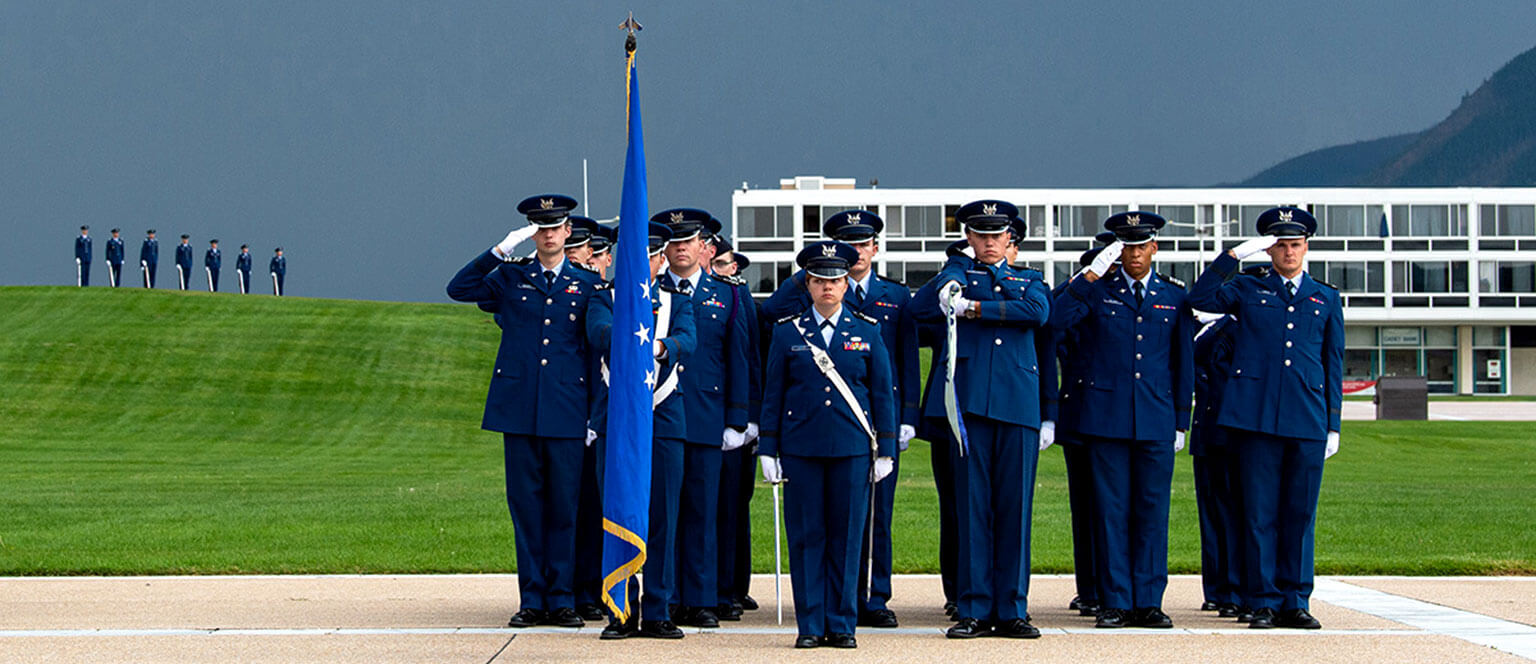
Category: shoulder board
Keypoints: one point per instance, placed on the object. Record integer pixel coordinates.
(864, 317)
(1260, 271)
(1171, 280)
(1320, 282)
(520, 261)
(787, 319)
(1035, 273)
(886, 279)
(602, 286)
(730, 279)
(668, 289)
(584, 268)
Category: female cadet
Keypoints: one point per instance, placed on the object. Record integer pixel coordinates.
(819, 363)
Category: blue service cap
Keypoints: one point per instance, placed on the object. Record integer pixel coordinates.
(853, 226)
(1287, 222)
(116, 230)
(957, 248)
(687, 223)
(582, 229)
(214, 241)
(741, 261)
(150, 232)
(1104, 237)
(1017, 229)
(658, 237)
(987, 217)
(722, 245)
(828, 259)
(603, 238)
(85, 228)
(184, 236)
(1135, 227)
(277, 250)
(547, 210)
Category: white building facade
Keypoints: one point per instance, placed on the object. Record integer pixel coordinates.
(1438, 282)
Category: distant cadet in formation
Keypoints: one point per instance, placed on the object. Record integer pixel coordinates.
(83, 257)
(1280, 407)
(602, 249)
(278, 267)
(115, 258)
(538, 399)
(1215, 470)
(184, 261)
(589, 508)
(578, 247)
(149, 258)
(213, 261)
(243, 269)
(829, 428)
(1138, 381)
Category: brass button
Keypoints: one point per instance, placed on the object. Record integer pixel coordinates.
(549, 300)
(544, 362)
(546, 321)
(1138, 375)
(546, 342)
(1287, 363)
(997, 342)
(1287, 344)
(1138, 356)
(826, 403)
(1290, 326)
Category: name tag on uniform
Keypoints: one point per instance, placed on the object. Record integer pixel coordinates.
(527, 286)
(975, 271)
(1113, 301)
(1266, 292)
(798, 348)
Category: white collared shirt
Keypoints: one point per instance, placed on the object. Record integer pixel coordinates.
(1146, 282)
(1295, 282)
(853, 285)
(826, 332)
(693, 282)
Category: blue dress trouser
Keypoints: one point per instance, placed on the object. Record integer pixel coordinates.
(1131, 484)
(589, 530)
(1085, 548)
(941, 460)
(1220, 538)
(697, 557)
(994, 493)
(543, 478)
(1280, 479)
(826, 500)
(875, 587)
(732, 512)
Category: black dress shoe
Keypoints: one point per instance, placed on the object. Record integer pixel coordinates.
(659, 629)
(591, 612)
(1209, 606)
(563, 617)
(1244, 615)
(807, 642)
(1110, 619)
(1296, 619)
(1075, 604)
(1152, 617)
(840, 641)
(748, 604)
(1262, 619)
(1087, 608)
(728, 612)
(1018, 628)
(698, 617)
(1228, 610)
(880, 619)
(618, 629)
(526, 618)
(968, 628)
(949, 609)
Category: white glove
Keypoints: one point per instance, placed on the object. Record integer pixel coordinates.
(1047, 434)
(752, 431)
(904, 438)
(1251, 247)
(960, 305)
(772, 472)
(657, 348)
(1106, 258)
(1206, 317)
(883, 467)
(1178, 442)
(947, 296)
(591, 436)
(514, 238)
(733, 439)
(1332, 447)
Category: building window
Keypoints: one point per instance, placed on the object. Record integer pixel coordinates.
(1509, 220)
(1488, 362)
(1429, 220)
(1181, 220)
(763, 277)
(1349, 220)
(1352, 276)
(1429, 277)
(810, 220)
(1034, 219)
(1360, 351)
(915, 221)
(1506, 277)
(914, 273)
(1083, 220)
(765, 221)
(1181, 270)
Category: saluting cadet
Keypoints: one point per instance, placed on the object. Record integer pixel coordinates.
(1138, 380)
(674, 344)
(212, 262)
(115, 259)
(1280, 406)
(538, 400)
(278, 266)
(83, 257)
(1215, 491)
(184, 261)
(602, 249)
(243, 269)
(715, 389)
(994, 311)
(887, 302)
(836, 443)
(149, 258)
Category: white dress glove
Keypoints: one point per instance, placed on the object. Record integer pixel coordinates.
(1178, 442)
(1332, 447)
(506, 245)
(1251, 247)
(752, 431)
(733, 439)
(772, 472)
(591, 436)
(658, 348)
(1047, 434)
(1106, 258)
(947, 296)
(883, 467)
(904, 438)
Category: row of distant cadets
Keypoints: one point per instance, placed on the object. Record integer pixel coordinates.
(1122, 338)
(149, 262)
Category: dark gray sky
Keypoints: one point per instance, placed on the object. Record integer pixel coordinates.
(383, 144)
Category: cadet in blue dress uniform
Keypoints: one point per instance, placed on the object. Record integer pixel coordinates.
(115, 259)
(538, 400)
(1215, 492)
(149, 258)
(998, 310)
(243, 269)
(887, 302)
(1138, 380)
(669, 431)
(1280, 406)
(83, 257)
(278, 268)
(213, 261)
(715, 386)
(184, 261)
(602, 249)
(830, 450)
(578, 247)
(589, 509)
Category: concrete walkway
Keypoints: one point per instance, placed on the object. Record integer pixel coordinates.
(461, 618)
(1455, 411)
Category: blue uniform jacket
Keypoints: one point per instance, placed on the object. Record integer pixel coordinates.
(115, 251)
(539, 385)
(149, 252)
(803, 414)
(1064, 349)
(715, 382)
(243, 262)
(888, 301)
(1288, 356)
(669, 419)
(997, 375)
(213, 260)
(1213, 364)
(83, 248)
(749, 308)
(184, 257)
(1139, 377)
(278, 265)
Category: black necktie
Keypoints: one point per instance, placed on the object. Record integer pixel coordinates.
(686, 287)
(1290, 288)
(549, 277)
(858, 293)
(1137, 288)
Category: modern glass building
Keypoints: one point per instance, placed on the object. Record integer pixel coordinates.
(1439, 282)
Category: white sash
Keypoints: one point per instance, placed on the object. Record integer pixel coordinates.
(828, 369)
(951, 398)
